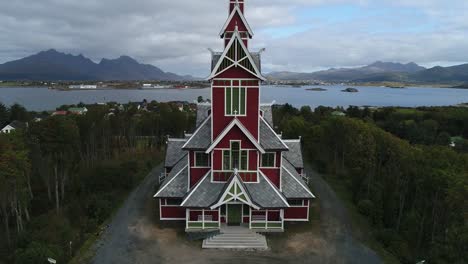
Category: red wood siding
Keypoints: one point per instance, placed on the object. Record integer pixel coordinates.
(253, 160)
(235, 134)
(236, 73)
(273, 175)
(194, 213)
(217, 159)
(172, 212)
(195, 173)
(295, 213)
(236, 20)
(250, 121)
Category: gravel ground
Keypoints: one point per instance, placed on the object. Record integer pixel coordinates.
(136, 236)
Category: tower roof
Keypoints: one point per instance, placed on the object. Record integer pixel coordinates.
(236, 54)
(236, 11)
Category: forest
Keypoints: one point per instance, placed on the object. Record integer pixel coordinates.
(63, 176)
(401, 169)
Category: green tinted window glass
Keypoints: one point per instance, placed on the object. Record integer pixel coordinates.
(242, 101)
(244, 159)
(235, 101)
(228, 101)
(226, 160)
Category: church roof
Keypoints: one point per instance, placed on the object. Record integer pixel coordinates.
(293, 186)
(236, 55)
(174, 152)
(203, 111)
(235, 11)
(265, 194)
(294, 155)
(269, 140)
(267, 113)
(204, 194)
(175, 184)
(201, 139)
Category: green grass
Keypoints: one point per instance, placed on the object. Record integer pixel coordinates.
(359, 221)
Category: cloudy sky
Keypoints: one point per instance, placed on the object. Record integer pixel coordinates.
(299, 35)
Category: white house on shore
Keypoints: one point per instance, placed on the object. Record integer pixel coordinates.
(13, 126)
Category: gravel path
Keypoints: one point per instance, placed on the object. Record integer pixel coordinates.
(135, 236)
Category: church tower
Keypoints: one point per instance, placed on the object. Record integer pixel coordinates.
(234, 169)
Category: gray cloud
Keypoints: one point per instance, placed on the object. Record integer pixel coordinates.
(174, 34)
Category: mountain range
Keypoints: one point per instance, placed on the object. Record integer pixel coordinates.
(52, 65)
(381, 72)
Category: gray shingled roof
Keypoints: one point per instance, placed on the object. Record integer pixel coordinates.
(256, 56)
(267, 114)
(175, 184)
(205, 195)
(174, 152)
(201, 139)
(291, 187)
(268, 138)
(203, 111)
(264, 195)
(294, 155)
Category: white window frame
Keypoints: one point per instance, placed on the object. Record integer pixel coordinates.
(195, 160)
(274, 161)
(231, 86)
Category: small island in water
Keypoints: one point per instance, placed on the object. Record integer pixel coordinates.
(318, 89)
(350, 90)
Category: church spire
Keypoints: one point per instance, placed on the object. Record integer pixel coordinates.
(233, 3)
(237, 20)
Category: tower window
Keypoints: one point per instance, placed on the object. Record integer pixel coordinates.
(202, 160)
(235, 157)
(268, 160)
(235, 101)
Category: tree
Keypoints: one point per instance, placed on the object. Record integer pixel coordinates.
(18, 112)
(4, 115)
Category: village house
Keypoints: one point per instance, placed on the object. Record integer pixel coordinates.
(78, 110)
(14, 126)
(234, 170)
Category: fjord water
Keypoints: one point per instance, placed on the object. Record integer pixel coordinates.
(39, 99)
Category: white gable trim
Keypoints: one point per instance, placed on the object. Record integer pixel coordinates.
(235, 37)
(307, 189)
(238, 184)
(237, 123)
(168, 183)
(231, 16)
(194, 189)
(198, 130)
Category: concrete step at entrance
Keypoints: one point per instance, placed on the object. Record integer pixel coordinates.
(236, 238)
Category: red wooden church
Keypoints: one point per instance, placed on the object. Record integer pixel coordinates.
(234, 169)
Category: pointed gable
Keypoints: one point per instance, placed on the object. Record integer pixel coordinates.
(236, 18)
(236, 191)
(245, 131)
(236, 55)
